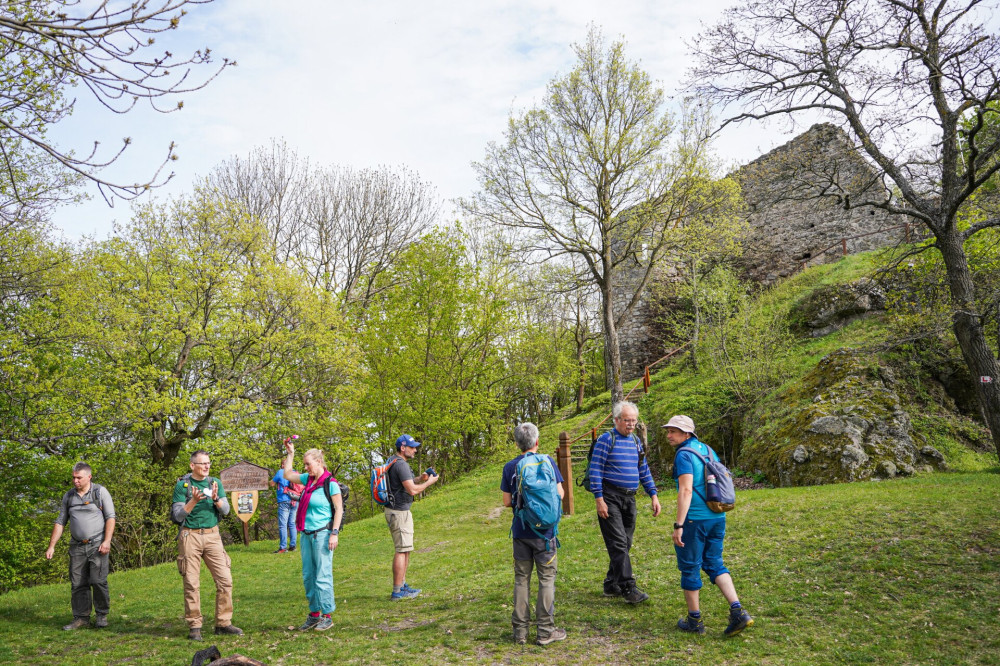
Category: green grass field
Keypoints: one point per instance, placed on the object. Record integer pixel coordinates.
(905, 571)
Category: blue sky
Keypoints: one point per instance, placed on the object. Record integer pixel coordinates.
(384, 82)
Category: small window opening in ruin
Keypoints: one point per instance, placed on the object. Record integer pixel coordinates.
(873, 212)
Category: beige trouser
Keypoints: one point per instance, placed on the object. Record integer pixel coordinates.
(193, 546)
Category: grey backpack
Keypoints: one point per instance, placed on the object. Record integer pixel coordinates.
(720, 493)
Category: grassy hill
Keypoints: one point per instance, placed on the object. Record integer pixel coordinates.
(905, 571)
(900, 571)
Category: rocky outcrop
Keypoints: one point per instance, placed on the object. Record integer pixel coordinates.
(829, 309)
(842, 422)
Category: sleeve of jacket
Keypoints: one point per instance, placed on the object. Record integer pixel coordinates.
(596, 471)
(222, 508)
(107, 504)
(646, 477)
(177, 512)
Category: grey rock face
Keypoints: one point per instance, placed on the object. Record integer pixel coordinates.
(858, 431)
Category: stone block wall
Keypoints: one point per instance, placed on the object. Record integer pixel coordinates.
(798, 197)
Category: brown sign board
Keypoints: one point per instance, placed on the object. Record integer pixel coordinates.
(244, 477)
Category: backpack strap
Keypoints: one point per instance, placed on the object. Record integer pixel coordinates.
(98, 497)
(329, 498)
(704, 462)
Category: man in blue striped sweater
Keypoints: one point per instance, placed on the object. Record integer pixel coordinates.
(617, 468)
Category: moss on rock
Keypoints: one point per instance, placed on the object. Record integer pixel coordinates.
(843, 421)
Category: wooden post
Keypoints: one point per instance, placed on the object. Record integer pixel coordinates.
(641, 429)
(645, 380)
(566, 469)
(246, 535)
(843, 245)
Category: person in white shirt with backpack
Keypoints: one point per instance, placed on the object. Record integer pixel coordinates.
(699, 531)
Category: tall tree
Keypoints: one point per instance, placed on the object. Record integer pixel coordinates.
(593, 173)
(106, 47)
(342, 227)
(915, 83)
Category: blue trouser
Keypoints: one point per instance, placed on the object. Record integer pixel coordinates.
(317, 571)
(286, 524)
(702, 550)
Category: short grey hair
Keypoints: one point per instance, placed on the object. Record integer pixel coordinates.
(82, 467)
(616, 411)
(526, 435)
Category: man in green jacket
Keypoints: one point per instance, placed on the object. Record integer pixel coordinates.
(198, 502)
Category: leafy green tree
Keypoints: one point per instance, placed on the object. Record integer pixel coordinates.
(592, 174)
(433, 345)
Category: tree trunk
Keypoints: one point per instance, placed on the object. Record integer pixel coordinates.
(612, 354)
(697, 316)
(968, 327)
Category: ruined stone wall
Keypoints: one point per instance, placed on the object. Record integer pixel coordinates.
(797, 196)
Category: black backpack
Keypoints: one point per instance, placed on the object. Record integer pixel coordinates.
(584, 481)
(345, 490)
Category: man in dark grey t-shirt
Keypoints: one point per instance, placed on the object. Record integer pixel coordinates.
(91, 516)
(402, 488)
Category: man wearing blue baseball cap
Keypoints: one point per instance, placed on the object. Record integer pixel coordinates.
(402, 488)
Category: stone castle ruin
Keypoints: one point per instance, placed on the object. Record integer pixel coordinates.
(798, 198)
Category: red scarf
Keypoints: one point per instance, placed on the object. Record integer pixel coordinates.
(300, 513)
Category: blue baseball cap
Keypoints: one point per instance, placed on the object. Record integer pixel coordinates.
(406, 440)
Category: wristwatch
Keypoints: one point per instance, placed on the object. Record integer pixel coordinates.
(678, 527)
(335, 532)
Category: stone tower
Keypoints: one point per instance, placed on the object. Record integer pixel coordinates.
(798, 198)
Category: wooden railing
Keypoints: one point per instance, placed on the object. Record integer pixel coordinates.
(842, 243)
(566, 454)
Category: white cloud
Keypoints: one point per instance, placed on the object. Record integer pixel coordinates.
(425, 84)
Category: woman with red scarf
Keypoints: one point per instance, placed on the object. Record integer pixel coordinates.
(319, 529)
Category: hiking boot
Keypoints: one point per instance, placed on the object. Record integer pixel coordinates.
(324, 623)
(739, 620)
(311, 621)
(229, 629)
(292, 549)
(691, 624)
(280, 550)
(415, 590)
(101, 621)
(520, 639)
(404, 593)
(78, 623)
(554, 635)
(634, 595)
(612, 590)
(194, 634)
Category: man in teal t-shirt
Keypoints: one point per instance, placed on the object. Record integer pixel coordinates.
(198, 501)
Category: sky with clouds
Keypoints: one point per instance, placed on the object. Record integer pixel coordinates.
(384, 82)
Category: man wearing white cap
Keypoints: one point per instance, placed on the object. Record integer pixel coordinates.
(699, 531)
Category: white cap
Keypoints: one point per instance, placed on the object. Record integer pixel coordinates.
(681, 422)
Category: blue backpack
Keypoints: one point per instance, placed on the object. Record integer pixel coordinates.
(538, 505)
(720, 493)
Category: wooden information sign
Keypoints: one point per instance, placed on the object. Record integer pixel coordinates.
(242, 481)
